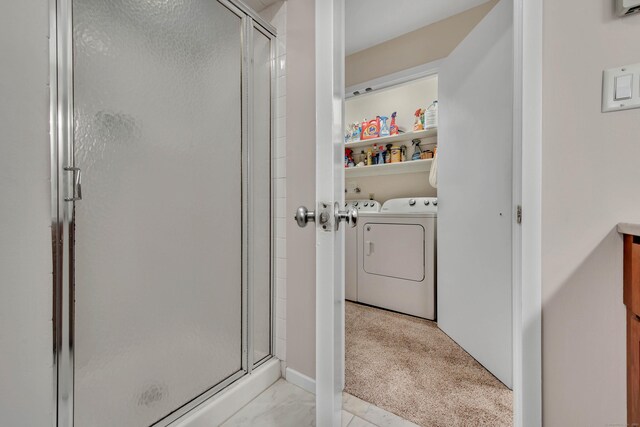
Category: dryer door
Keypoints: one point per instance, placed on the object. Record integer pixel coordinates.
(394, 250)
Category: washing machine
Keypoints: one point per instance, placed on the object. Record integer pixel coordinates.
(351, 247)
(396, 256)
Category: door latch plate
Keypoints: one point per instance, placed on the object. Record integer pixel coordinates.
(324, 216)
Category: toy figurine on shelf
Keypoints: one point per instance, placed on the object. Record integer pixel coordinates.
(348, 158)
(417, 125)
(393, 129)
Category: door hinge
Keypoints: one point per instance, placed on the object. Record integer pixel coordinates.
(519, 214)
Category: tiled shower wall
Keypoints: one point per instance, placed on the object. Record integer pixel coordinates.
(276, 15)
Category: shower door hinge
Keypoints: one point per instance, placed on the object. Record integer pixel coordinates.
(519, 214)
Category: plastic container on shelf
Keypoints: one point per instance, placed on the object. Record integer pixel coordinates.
(431, 116)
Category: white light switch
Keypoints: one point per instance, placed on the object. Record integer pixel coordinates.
(620, 88)
(623, 87)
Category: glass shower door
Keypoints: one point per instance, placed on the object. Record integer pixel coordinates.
(159, 231)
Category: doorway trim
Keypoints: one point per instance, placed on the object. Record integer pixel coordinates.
(526, 192)
(527, 289)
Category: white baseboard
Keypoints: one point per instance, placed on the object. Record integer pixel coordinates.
(222, 406)
(301, 380)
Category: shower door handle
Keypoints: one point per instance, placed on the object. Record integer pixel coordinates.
(77, 184)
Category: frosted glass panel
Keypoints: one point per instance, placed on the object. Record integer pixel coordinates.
(158, 262)
(260, 235)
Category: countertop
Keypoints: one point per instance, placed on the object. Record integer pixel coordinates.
(629, 228)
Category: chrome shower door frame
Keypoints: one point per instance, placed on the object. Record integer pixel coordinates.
(61, 139)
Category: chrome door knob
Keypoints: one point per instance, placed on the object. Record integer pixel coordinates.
(350, 216)
(304, 216)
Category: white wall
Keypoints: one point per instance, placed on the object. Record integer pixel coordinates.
(383, 188)
(301, 189)
(26, 337)
(405, 99)
(276, 15)
(591, 181)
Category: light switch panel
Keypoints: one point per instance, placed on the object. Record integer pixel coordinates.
(620, 88)
(623, 86)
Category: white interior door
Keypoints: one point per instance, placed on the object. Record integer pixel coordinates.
(476, 211)
(329, 189)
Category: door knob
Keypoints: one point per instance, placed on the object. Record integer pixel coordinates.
(304, 216)
(350, 216)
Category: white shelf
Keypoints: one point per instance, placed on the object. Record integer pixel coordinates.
(407, 136)
(410, 166)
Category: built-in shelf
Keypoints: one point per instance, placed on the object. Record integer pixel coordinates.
(407, 136)
(410, 166)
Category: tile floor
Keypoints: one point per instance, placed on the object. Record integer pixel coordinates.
(286, 405)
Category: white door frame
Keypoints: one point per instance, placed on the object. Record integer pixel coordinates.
(527, 149)
(329, 80)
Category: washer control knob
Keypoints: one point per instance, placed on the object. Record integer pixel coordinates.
(412, 202)
(355, 204)
(435, 202)
(427, 203)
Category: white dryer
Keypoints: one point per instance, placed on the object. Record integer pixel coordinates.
(396, 250)
(351, 248)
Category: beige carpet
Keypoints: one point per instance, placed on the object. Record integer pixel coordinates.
(410, 367)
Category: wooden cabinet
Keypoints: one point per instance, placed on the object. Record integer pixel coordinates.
(632, 301)
(633, 369)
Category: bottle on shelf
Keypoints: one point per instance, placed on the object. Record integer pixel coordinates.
(393, 129)
(368, 160)
(417, 151)
(431, 116)
(384, 127)
(417, 125)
